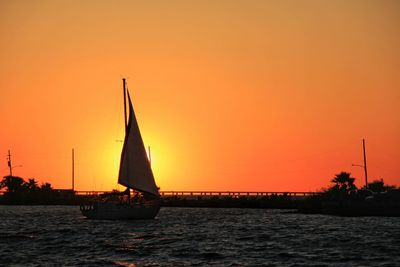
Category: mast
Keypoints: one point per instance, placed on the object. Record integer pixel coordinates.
(126, 119)
(128, 190)
(365, 165)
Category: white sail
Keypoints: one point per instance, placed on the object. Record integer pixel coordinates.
(135, 170)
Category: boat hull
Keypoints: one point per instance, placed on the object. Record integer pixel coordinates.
(116, 211)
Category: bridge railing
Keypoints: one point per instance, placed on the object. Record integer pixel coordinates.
(208, 193)
(90, 193)
(213, 193)
(233, 193)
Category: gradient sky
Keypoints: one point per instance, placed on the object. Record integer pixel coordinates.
(230, 95)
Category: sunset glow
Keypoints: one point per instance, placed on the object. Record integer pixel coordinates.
(230, 95)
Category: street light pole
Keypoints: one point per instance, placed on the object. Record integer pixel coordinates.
(364, 166)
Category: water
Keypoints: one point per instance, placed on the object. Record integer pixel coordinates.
(59, 235)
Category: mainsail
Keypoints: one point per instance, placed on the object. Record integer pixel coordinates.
(135, 170)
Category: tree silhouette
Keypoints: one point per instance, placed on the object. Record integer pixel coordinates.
(379, 186)
(344, 183)
(17, 191)
(46, 187)
(13, 184)
(32, 185)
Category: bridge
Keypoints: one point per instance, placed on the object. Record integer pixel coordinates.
(233, 193)
(188, 194)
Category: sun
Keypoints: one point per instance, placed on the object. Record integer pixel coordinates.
(159, 156)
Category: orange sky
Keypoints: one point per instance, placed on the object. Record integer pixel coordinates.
(230, 95)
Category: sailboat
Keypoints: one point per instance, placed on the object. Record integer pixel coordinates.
(135, 174)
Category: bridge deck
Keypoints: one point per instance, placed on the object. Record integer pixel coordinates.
(213, 193)
(209, 193)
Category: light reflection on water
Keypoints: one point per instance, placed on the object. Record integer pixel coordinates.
(59, 235)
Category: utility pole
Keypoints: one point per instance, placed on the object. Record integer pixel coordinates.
(365, 165)
(9, 162)
(73, 170)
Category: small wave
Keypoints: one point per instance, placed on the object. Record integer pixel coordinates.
(287, 255)
(15, 237)
(245, 238)
(125, 264)
(186, 252)
(166, 241)
(211, 255)
(144, 237)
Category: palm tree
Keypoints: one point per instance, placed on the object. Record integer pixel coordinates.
(32, 185)
(13, 184)
(344, 183)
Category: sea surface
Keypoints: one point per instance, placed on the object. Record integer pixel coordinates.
(60, 236)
